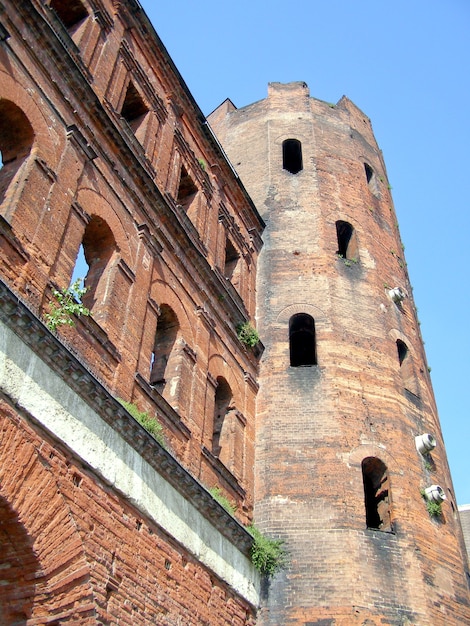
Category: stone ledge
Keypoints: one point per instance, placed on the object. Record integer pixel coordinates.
(43, 376)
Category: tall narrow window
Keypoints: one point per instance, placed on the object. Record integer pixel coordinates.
(302, 340)
(187, 190)
(134, 110)
(369, 172)
(402, 350)
(376, 494)
(99, 251)
(347, 240)
(163, 357)
(371, 179)
(231, 259)
(16, 141)
(222, 406)
(71, 13)
(292, 156)
(406, 368)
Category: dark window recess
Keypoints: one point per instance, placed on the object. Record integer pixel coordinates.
(222, 406)
(369, 172)
(187, 190)
(407, 369)
(402, 350)
(292, 156)
(70, 12)
(134, 108)
(347, 240)
(164, 347)
(16, 141)
(376, 494)
(302, 342)
(231, 259)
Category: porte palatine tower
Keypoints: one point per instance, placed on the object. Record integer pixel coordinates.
(348, 437)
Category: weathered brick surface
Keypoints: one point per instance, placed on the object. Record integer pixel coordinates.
(315, 425)
(93, 177)
(80, 169)
(74, 552)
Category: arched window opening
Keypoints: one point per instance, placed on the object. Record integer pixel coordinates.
(71, 13)
(407, 368)
(222, 407)
(302, 342)
(134, 109)
(402, 350)
(231, 259)
(16, 141)
(187, 190)
(376, 494)
(163, 361)
(369, 172)
(99, 250)
(347, 241)
(292, 156)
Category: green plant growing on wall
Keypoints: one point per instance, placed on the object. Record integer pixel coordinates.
(267, 555)
(217, 494)
(68, 302)
(151, 425)
(434, 508)
(202, 164)
(247, 334)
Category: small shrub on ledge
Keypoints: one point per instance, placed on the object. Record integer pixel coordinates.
(217, 494)
(68, 303)
(247, 335)
(151, 425)
(267, 555)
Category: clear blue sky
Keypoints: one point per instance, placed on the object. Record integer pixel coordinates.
(406, 64)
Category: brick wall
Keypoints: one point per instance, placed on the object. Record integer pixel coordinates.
(321, 428)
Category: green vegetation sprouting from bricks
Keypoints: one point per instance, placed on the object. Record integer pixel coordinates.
(267, 555)
(224, 502)
(247, 334)
(150, 424)
(68, 303)
(434, 508)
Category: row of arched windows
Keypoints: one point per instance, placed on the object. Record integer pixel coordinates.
(97, 261)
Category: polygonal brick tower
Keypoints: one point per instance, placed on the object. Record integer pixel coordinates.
(348, 437)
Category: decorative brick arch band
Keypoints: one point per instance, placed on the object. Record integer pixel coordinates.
(395, 334)
(285, 315)
(44, 147)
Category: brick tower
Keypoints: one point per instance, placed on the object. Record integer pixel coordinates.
(347, 432)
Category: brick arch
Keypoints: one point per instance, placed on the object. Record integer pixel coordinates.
(94, 203)
(286, 313)
(358, 454)
(40, 519)
(46, 146)
(218, 366)
(278, 141)
(338, 215)
(395, 334)
(162, 293)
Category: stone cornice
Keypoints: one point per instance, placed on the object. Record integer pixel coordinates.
(16, 315)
